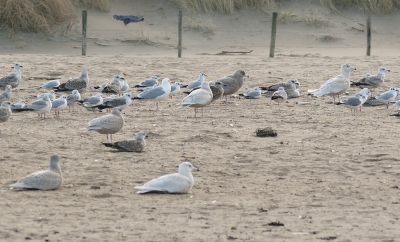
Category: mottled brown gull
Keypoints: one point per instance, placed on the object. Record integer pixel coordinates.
(232, 84)
(114, 86)
(107, 124)
(5, 112)
(12, 79)
(6, 95)
(78, 83)
(372, 82)
(136, 145)
(289, 86)
(279, 96)
(181, 182)
(42, 180)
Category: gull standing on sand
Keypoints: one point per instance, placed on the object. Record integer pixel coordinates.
(372, 82)
(196, 83)
(42, 180)
(59, 104)
(121, 102)
(217, 90)
(175, 89)
(353, 103)
(388, 96)
(51, 95)
(252, 94)
(12, 79)
(40, 106)
(337, 85)
(198, 98)
(72, 99)
(6, 95)
(19, 104)
(149, 82)
(289, 86)
(5, 112)
(78, 83)
(181, 182)
(158, 93)
(364, 94)
(136, 145)
(232, 84)
(108, 124)
(279, 96)
(114, 86)
(51, 84)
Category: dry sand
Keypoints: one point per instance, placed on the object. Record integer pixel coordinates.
(326, 176)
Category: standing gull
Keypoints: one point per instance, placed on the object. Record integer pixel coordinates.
(51, 95)
(364, 96)
(59, 104)
(252, 94)
(136, 145)
(353, 103)
(289, 86)
(337, 85)
(72, 99)
(157, 93)
(51, 84)
(372, 82)
(6, 95)
(388, 96)
(181, 182)
(12, 79)
(232, 84)
(78, 83)
(5, 112)
(175, 89)
(198, 98)
(40, 106)
(108, 124)
(42, 180)
(217, 90)
(148, 82)
(279, 96)
(196, 83)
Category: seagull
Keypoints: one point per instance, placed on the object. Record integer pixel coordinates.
(51, 84)
(100, 87)
(337, 85)
(289, 86)
(136, 145)
(114, 86)
(181, 182)
(388, 96)
(279, 96)
(6, 95)
(59, 104)
(296, 92)
(73, 98)
(108, 124)
(364, 94)
(19, 104)
(121, 102)
(196, 83)
(92, 101)
(175, 88)
(157, 93)
(353, 103)
(42, 180)
(51, 95)
(149, 82)
(124, 84)
(252, 94)
(5, 112)
(78, 83)
(12, 79)
(40, 106)
(198, 98)
(232, 84)
(374, 81)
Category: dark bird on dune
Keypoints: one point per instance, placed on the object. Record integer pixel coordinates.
(129, 18)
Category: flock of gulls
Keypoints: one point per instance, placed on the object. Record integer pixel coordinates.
(199, 95)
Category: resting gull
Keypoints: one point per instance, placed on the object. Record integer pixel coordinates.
(289, 86)
(73, 98)
(148, 82)
(51, 95)
(42, 180)
(232, 84)
(198, 98)
(5, 112)
(252, 94)
(196, 83)
(175, 89)
(6, 95)
(114, 86)
(59, 104)
(181, 182)
(92, 101)
(40, 106)
(353, 102)
(108, 124)
(374, 81)
(51, 84)
(124, 84)
(19, 104)
(279, 96)
(121, 102)
(296, 92)
(337, 85)
(156, 93)
(388, 96)
(136, 145)
(78, 83)
(12, 79)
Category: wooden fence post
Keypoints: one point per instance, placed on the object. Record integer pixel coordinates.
(273, 34)
(180, 35)
(84, 25)
(369, 35)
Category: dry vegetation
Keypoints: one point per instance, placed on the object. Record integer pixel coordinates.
(221, 6)
(368, 6)
(42, 16)
(317, 21)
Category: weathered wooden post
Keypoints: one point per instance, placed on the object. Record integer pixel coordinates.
(369, 35)
(273, 34)
(180, 35)
(84, 25)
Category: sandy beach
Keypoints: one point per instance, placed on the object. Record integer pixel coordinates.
(327, 175)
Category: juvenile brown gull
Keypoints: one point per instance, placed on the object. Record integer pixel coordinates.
(232, 84)
(12, 79)
(289, 86)
(108, 124)
(279, 96)
(136, 145)
(5, 112)
(372, 82)
(78, 83)
(6, 95)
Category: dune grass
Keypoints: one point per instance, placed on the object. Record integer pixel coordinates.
(41, 16)
(368, 6)
(220, 6)
(317, 21)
